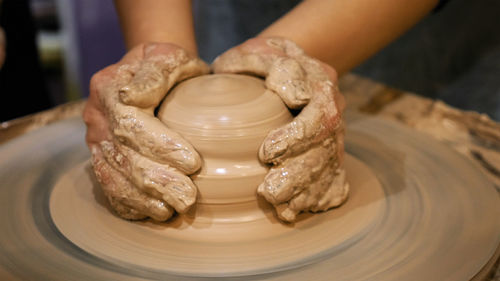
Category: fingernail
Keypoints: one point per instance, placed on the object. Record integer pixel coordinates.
(285, 213)
(185, 160)
(179, 156)
(266, 191)
(181, 196)
(273, 149)
(276, 187)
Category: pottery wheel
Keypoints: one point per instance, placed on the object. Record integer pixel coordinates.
(417, 211)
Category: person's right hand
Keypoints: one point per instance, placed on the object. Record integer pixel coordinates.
(305, 155)
(142, 166)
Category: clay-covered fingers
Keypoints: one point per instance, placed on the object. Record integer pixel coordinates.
(150, 137)
(141, 164)
(128, 201)
(319, 120)
(312, 181)
(157, 180)
(162, 66)
(300, 81)
(276, 59)
(306, 154)
(282, 182)
(328, 191)
(140, 81)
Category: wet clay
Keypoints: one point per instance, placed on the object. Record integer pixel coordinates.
(402, 229)
(226, 117)
(306, 154)
(142, 166)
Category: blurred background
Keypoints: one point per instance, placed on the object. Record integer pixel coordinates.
(54, 46)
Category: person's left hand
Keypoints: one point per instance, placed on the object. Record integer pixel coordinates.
(306, 154)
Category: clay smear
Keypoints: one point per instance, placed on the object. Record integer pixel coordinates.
(227, 118)
(306, 154)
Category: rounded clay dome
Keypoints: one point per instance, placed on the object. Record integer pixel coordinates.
(225, 117)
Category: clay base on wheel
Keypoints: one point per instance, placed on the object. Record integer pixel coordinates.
(438, 219)
(241, 241)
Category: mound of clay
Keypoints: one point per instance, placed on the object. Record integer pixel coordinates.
(226, 118)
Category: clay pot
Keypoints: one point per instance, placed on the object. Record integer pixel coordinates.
(226, 117)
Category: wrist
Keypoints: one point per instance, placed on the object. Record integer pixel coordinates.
(142, 37)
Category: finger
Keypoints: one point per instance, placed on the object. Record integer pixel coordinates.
(318, 121)
(287, 70)
(234, 61)
(255, 54)
(339, 142)
(122, 210)
(93, 114)
(96, 122)
(158, 180)
(126, 200)
(285, 181)
(289, 80)
(296, 79)
(163, 66)
(294, 76)
(283, 74)
(151, 138)
(330, 190)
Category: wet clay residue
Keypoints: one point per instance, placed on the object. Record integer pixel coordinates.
(305, 154)
(297, 163)
(141, 165)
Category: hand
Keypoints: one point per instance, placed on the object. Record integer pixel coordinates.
(306, 154)
(140, 163)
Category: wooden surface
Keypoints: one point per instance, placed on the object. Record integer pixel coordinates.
(472, 135)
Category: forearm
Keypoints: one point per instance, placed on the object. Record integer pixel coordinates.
(344, 33)
(157, 21)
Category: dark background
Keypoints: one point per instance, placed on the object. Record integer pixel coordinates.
(54, 47)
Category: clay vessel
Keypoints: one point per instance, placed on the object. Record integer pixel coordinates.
(226, 117)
